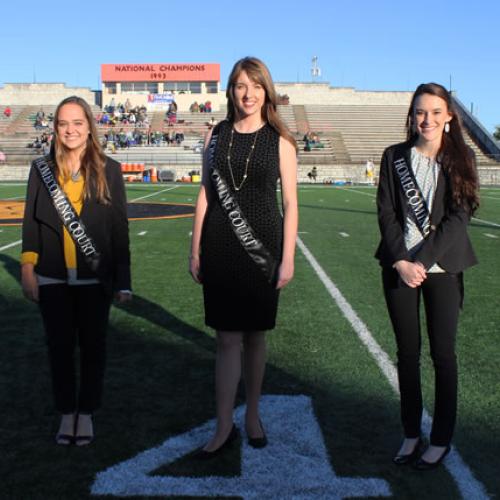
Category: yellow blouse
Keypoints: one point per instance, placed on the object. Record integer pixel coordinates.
(74, 192)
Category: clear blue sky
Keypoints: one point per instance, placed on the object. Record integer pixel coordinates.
(365, 44)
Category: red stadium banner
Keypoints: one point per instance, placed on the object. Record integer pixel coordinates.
(153, 72)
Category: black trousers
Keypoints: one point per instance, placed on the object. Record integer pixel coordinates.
(442, 296)
(76, 315)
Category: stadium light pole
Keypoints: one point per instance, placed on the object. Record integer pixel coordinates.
(315, 69)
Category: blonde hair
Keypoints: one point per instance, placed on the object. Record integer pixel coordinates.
(93, 159)
(258, 72)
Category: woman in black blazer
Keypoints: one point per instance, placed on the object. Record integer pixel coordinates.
(428, 190)
(74, 292)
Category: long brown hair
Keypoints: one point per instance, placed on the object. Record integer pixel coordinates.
(456, 158)
(258, 72)
(93, 160)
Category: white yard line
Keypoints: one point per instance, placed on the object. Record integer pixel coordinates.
(351, 190)
(468, 485)
(154, 194)
(13, 198)
(486, 222)
(482, 221)
(10, 245)
(490, 197)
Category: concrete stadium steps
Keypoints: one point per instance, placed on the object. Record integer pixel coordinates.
(366, 130)
(197, 123)
(317, 156)
(481, 158)
(287, 114)
(160, 155)
(301, 121)
(5, 123)
(351, 133)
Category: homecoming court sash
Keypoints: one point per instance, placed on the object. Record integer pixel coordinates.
(414, 196)
(237, 220)
(67, 214)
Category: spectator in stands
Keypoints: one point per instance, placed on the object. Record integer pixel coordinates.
(211, 123)
(74, 292)
(208, 107)
(46, 148)
(427, 193)
(7, 112)
(313, 174)
(179, 137)
(3, 157)
(201, 107)
(111, 106)
(194, 108)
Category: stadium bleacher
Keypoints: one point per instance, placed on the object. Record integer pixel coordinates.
(350, 135)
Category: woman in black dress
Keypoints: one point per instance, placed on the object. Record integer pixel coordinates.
(74, 293)
(242, 249)
(428, 190)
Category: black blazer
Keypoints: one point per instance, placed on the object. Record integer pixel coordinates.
(107, 225)
(447, 243)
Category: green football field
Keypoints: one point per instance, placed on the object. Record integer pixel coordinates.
(330, 405)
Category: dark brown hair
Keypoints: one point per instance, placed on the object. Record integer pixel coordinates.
(257, 71)
(456, 158)
(93, 160)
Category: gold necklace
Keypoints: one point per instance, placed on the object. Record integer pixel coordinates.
(247, 161)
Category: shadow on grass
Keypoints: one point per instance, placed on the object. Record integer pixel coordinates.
(159, 383)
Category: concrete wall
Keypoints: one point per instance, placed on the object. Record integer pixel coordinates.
(322, 93)
(41, 93)
(299, 93)
(354, 173)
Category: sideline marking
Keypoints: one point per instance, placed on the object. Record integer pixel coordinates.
(10, 245)
(142, 233)
(489, 235)
(154, 194)
(468, 485)
(344, 235)
(295, 463)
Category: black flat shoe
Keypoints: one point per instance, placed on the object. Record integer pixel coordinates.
(83, 439)
(202, 454)
(409, 457)
(65, 439)
(260, 442)
(422, 464)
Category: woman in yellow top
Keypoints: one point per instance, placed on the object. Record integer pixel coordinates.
(74, 291)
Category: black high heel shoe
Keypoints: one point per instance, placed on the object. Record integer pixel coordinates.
(422, 464)
(408, 457)
(202, 454)
(259, 442)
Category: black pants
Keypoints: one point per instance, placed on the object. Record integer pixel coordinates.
(76, 315)
(442, 295)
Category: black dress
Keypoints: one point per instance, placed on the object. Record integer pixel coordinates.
(237, 294)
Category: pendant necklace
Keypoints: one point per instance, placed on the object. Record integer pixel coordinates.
(247, 161)
(75, 175)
